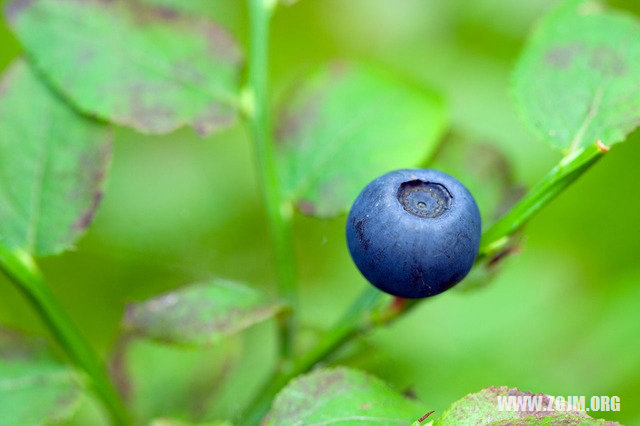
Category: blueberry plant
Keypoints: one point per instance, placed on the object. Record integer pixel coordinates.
(157, 65)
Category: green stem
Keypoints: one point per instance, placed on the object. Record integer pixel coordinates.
(279, 212)
(370, 311)
(23, 271)
(570, 168)
(359, 318)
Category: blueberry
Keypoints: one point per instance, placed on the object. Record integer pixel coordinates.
(414, 233)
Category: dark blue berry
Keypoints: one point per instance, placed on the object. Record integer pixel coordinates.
(414, 233)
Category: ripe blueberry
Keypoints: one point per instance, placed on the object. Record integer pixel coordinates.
(414, 233)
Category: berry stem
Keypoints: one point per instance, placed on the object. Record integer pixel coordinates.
(570, 168)
(21, 268)
(279, 212)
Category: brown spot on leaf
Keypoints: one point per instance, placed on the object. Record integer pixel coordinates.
(222, 45)
(328, 383)
(85, 56)
(144, 13)
(306, 207)
(15, 7)
(93, 167)
(185, 71)
(86, 219)
(495, 391)
(145, 113)
(214, 117)
(608, 61)
(295, 117)
(561, 57)
(15, 346)
(166, 13)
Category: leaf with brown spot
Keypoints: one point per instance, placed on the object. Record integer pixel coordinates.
(481, 408)
(151, 68)
(344, 126)
(341, 396)
(53, 164)
(175, 422)
(34, 389)
(578, 78)
(200, 314)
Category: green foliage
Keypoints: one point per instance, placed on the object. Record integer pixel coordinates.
(53, 163)
(481, 408)
(346, 125)
(201, 314)
(578, 79)
(484, 170)
(343, 396)
(33, 387)
(173, 422)
(157, 65)
(149, 68)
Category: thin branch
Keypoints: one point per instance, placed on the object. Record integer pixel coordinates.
(279, 212)
(23, 271)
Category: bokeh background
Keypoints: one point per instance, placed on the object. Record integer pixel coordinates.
(563, 317)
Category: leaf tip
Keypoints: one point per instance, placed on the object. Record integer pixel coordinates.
(602, 147)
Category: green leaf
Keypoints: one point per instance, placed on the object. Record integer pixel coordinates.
(481, 408)
(53, 164)
(199, 7)
(33, 387)
(341, 396)
(484, 170)
(174, 422)
(578, 79)
(200, 314)
(151, 68)
(346, 125)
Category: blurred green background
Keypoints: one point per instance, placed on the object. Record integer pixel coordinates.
(563, 318)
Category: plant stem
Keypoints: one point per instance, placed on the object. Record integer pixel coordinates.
(360, 317)
(370, 311)
(570, 168)
(23, 271)
(279, 212)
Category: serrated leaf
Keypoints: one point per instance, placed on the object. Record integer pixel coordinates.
(484, 170)
(200, 314)
(53, 164)
(578, 79)
(341, 396)
(481, 408)
(33, 388)
(346, 125)
(150, 68)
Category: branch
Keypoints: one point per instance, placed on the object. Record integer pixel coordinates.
(279, 212)
(570, 168)
(23, 271)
